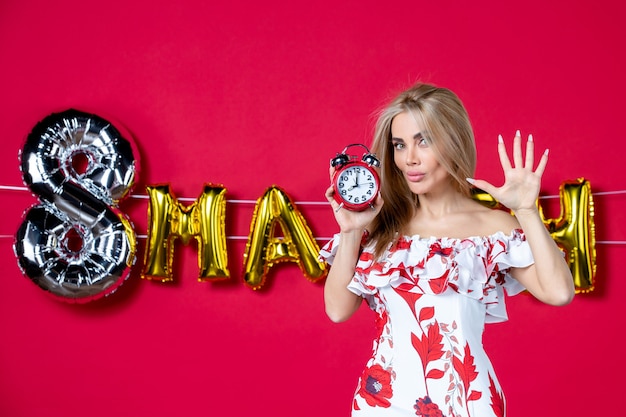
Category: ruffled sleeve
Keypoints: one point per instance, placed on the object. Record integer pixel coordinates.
(329, 250)
(359, 284)
(504, 252)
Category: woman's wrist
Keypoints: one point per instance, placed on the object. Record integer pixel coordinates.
(352, 234)
(526, 212)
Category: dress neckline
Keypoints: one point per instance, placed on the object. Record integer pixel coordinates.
(498, 234)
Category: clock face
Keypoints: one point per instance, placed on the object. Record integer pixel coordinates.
(356, 185)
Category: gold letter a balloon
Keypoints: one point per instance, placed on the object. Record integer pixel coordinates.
(264, 249)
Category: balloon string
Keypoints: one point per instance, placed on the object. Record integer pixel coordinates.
(598, 242)
(609, 192)
(227, 237)
(12, 188)
(145, 197)
(594, 194)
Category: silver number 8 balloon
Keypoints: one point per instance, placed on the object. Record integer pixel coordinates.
(76, 243)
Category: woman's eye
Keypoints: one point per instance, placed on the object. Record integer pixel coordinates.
(398, 146)
(423, 142)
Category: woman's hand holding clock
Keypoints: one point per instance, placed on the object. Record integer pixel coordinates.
(350, 220)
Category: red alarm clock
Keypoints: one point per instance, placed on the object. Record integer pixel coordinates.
(355, 181)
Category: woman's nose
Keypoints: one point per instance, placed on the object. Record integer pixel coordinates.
(412, 156)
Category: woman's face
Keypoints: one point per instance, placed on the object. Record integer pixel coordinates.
(414, 156)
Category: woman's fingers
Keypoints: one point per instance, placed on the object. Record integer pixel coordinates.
(542, 163)
(519, 159)
(330, 192)
(530, 153)
(517, 150)
(504, 157)
(483, 185)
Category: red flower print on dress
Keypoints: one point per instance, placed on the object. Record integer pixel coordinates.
(401, 244)
(497, 399)
(375, 386)
(381, 322)
(410, 297)
(430, 346)
(500, 277)
(436, 249)
(426, 408)
(467, 373)
(439, 285)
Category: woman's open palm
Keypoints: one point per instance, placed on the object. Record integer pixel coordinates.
(521, 183)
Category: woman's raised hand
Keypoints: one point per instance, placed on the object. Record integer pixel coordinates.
(522, 182)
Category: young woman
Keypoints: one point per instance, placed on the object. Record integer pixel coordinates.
(434, 264)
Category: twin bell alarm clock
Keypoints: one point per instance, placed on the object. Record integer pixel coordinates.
(355, 181)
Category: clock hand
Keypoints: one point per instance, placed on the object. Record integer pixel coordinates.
(356, 180)
(356, 185)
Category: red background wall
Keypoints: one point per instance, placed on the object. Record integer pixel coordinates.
(250, 95)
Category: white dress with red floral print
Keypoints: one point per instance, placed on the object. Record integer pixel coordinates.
(432, 297)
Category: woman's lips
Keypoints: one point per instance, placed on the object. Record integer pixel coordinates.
(415, 176)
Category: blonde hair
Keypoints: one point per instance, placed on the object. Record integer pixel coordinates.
(444, 117)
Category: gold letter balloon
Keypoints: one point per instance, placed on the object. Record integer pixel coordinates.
(76, 244)
(574, 231)
(169, 220)
(265, 248)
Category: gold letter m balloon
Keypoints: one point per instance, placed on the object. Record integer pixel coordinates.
(169, 220)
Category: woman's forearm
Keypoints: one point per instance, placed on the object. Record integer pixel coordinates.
(552, 282)
(340, 303)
